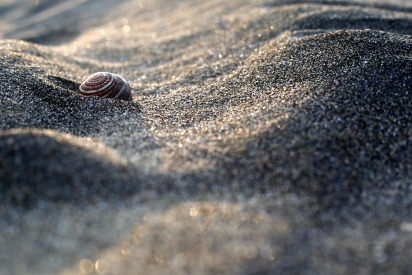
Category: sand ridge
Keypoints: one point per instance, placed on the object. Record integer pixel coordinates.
(264, 137)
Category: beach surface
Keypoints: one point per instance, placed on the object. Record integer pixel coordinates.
(264, 137)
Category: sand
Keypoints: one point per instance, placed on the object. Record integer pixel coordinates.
(264, 137)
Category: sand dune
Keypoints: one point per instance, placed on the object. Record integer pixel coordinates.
(264, 137)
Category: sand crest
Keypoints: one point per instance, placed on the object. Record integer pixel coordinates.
(264, 137)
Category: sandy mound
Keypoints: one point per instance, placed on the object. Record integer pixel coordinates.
(263, 138)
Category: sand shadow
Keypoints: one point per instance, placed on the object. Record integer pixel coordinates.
(391, 7)
(346, 20)
(351, 136)
(57, 22)
(43, 166)
(56, 37)
(6, 9)
(352, 20)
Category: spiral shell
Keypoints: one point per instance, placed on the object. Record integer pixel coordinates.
(105, 84)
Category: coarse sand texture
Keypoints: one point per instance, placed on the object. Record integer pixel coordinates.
(263, 137)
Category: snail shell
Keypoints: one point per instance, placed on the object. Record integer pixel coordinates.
(105, 84)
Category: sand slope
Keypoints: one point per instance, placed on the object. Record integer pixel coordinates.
(264, 137)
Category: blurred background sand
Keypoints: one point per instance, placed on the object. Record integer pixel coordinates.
(264, 137)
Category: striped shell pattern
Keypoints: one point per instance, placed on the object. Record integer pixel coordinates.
(105, 84)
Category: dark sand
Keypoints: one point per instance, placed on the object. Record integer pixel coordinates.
(264, 137)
